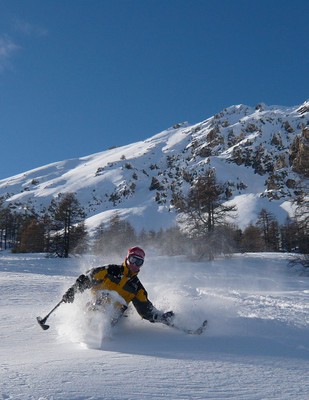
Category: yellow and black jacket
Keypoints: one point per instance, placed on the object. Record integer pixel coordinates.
(118, 278)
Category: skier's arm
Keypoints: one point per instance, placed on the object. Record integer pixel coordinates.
(148, 311)
(82, 283)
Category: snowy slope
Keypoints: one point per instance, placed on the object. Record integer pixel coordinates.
(248, 147)
(256, 345)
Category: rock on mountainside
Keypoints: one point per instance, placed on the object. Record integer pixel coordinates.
(261, 154)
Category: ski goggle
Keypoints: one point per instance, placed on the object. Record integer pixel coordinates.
(136, 261)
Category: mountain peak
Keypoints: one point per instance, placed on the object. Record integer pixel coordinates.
(259, 152)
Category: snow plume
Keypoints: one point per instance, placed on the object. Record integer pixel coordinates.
(194, 291)
(171, 285)
(86, 323)
(214, 291)
(77, 326)
(75, 322)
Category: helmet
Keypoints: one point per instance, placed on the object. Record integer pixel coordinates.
(136, 251)
(135, 259)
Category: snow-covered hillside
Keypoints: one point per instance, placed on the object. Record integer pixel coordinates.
(255, 346)
(260, 153)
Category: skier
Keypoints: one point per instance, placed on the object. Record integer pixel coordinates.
(123, 279)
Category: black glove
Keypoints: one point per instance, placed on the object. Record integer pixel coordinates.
(167, 317)
(82, 283)
(68, 296)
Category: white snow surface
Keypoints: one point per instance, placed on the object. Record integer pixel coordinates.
(256, 345)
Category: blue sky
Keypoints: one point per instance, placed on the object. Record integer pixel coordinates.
(80, 76)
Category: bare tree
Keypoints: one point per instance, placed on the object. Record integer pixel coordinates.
(115, 237)
(270, 230)
(65, 213)
(202, 211)
(252, 239)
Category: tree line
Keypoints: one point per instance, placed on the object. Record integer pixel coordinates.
(59, 229)
(204, 227)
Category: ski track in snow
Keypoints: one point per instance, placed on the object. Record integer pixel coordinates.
(256, 344)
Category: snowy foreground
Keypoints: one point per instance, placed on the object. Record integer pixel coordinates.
(256, 345)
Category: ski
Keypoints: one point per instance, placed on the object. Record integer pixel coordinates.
(197, 331)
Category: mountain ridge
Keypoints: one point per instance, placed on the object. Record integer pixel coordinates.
(260, 153)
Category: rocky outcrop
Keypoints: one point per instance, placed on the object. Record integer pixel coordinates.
(299, 153)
